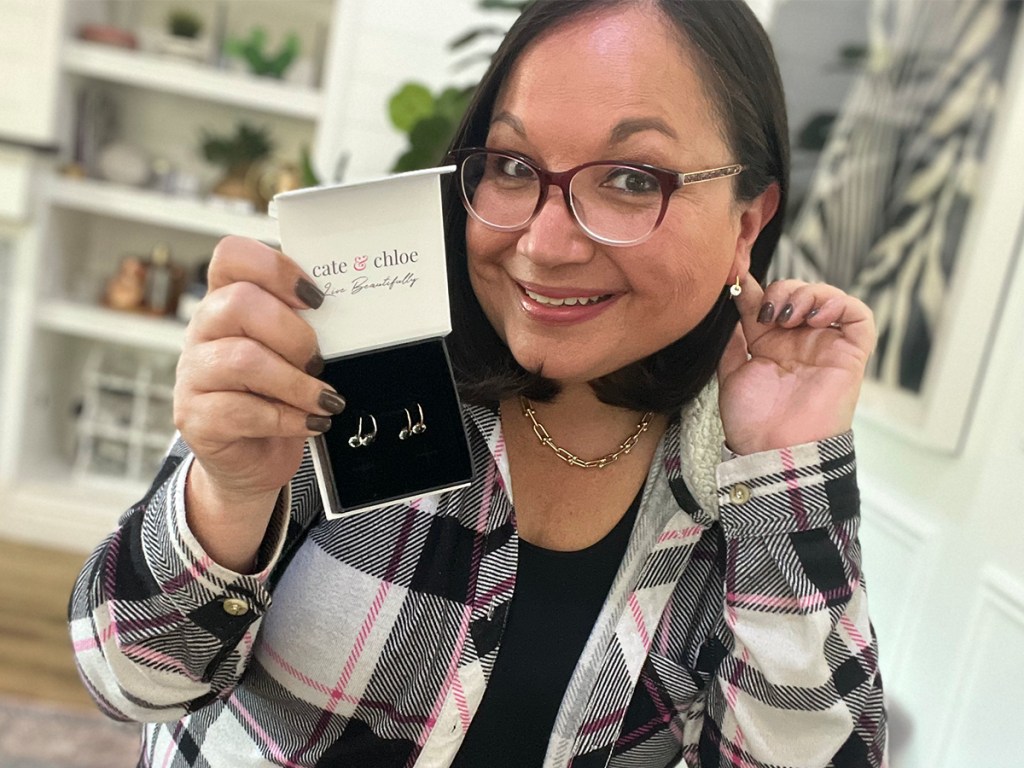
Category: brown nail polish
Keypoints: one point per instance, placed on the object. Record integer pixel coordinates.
(315, 366)
(316, 423)
(812, 313)
(766, 313)
(308, 293)
(786, 313)
(332, 402)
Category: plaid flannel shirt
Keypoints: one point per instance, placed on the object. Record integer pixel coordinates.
(735, 633)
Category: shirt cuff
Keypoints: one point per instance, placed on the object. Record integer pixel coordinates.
(788, 489)
(221, 600)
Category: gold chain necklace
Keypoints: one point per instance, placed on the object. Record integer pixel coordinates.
(571, 458)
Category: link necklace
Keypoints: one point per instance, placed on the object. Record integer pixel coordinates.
(571, 458)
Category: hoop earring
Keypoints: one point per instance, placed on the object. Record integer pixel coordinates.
(359, 440)
(735, 289)
(412, 429)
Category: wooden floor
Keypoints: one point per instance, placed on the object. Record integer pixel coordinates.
(35, 650)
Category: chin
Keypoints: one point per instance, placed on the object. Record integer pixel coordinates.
(564, 372)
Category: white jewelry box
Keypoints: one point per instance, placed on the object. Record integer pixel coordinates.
(376, 250)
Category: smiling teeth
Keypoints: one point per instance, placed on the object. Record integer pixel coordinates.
(572, 301)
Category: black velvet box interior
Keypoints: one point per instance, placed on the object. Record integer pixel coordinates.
(391, 385)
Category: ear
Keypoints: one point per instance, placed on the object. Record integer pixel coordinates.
(754, 216)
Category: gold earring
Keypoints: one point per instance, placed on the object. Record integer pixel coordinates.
(361, 440)
(735, 290)
(412, 429)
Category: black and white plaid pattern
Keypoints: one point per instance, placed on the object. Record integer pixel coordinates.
(735, 633)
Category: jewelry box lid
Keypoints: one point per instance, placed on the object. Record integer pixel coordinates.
(376, 250)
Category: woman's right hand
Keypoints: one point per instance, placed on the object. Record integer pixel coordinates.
(246, 394)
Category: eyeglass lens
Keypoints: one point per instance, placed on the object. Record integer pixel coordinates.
(611, 202)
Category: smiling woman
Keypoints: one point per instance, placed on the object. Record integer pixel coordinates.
(609, 590)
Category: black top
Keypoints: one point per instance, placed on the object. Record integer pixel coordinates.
(557, 598)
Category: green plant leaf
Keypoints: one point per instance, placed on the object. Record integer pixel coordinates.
(247, 145)
(428, 140)
(468, 37)
(452, 102)
(472, 59)
(308, 174)
(410, 104)
(258, 38)
(504, 5)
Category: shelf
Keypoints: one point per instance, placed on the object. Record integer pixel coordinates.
(116, 433)
(108, 325)
(57, 509)
(145, 70)
(150, 207)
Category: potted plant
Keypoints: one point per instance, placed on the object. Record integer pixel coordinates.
(429, 120)
(182, 36)
(238, 154)
(252, 50)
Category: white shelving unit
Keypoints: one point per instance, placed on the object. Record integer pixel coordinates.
(190, 79)
(103, 325)
(156, 208)
(91, 400)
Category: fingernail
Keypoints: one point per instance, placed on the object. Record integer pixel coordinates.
(315, 366)
(766, 313)
(812, 313)
(332, 402)
(308, 293)
(786, 313)
(316, 423)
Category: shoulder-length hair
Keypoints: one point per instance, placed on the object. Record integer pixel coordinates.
(741, 77)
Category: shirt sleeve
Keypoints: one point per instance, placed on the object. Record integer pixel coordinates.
(158, 628)
(798, 684)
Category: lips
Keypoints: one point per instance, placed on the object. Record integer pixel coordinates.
(562, 306)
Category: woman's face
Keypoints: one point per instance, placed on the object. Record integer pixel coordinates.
(617, 86)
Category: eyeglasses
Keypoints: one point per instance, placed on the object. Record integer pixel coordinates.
(613, 203)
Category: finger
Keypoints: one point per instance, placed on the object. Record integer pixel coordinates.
(797, 302)
(850, 316)
(245, 309)
(735, 354)
(240, 364)
(222, 417)
(239, 259)
(750, 302)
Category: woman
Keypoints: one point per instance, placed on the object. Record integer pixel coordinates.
(679, 573)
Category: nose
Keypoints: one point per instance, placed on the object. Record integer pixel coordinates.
(554, 237)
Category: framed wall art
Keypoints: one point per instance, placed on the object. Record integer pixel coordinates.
(916, 204)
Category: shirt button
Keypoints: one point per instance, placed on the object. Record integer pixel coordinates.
(235, 606)
(739, 493)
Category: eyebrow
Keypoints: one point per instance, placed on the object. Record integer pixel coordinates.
(619, 134)
(627, 128)
(511, 121)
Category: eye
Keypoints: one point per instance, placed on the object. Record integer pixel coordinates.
(631, 180)
(515, 169)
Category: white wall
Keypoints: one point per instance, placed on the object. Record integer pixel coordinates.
(943, 548)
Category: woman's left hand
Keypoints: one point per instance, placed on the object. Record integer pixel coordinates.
(807, 356)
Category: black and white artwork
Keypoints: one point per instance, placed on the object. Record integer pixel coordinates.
(905, 162)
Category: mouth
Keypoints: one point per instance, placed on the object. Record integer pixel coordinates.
(566, 301)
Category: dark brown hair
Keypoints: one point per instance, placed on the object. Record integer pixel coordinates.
(738, 67)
